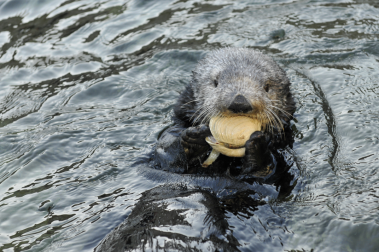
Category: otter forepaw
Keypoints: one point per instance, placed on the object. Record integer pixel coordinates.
(195, 136)
(193, 140)
(257, 158)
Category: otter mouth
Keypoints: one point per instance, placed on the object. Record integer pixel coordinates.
(229, 136)
(252, 115)
(229, 113)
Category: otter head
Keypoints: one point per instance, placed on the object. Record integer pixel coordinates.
(240, 81)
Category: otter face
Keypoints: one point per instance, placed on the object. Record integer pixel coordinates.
(240, 81)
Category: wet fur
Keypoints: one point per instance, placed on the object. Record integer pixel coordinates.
(247, 72)
(217, 80)
(237, 71)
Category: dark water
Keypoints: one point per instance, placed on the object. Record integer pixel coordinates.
(86, 87)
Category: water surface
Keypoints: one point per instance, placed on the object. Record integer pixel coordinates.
(87, 86)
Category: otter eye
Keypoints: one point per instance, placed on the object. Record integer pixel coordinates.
(215, 82)
(266, 87)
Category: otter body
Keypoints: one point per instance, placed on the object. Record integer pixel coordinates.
(229, 82)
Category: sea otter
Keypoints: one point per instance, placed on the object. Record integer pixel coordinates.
(192, 213)
(229, 82)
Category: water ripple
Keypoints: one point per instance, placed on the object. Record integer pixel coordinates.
(87, 87)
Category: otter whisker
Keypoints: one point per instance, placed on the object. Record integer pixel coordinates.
(288, 115)
(197, 113)
(211, 113)
(267, 118)
(278, 123)
(200, 115)
(204, 115)
(276, 102)
(207, 117)
(281, 126)
(189, 102)
(272, 121)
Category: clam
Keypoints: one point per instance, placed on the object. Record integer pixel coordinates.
(229, 135)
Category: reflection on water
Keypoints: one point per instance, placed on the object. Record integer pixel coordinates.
(86, 87)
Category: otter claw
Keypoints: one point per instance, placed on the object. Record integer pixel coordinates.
(193, 141)
(256, 154)
(256, 145)
(195, 135)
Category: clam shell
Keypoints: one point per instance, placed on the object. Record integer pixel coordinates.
(229, 135)
(234, 131)
(224, 149)
(212, 157)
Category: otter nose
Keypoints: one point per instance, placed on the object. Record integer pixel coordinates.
(240, 105)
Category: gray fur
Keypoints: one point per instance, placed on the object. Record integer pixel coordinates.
(240, 71)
